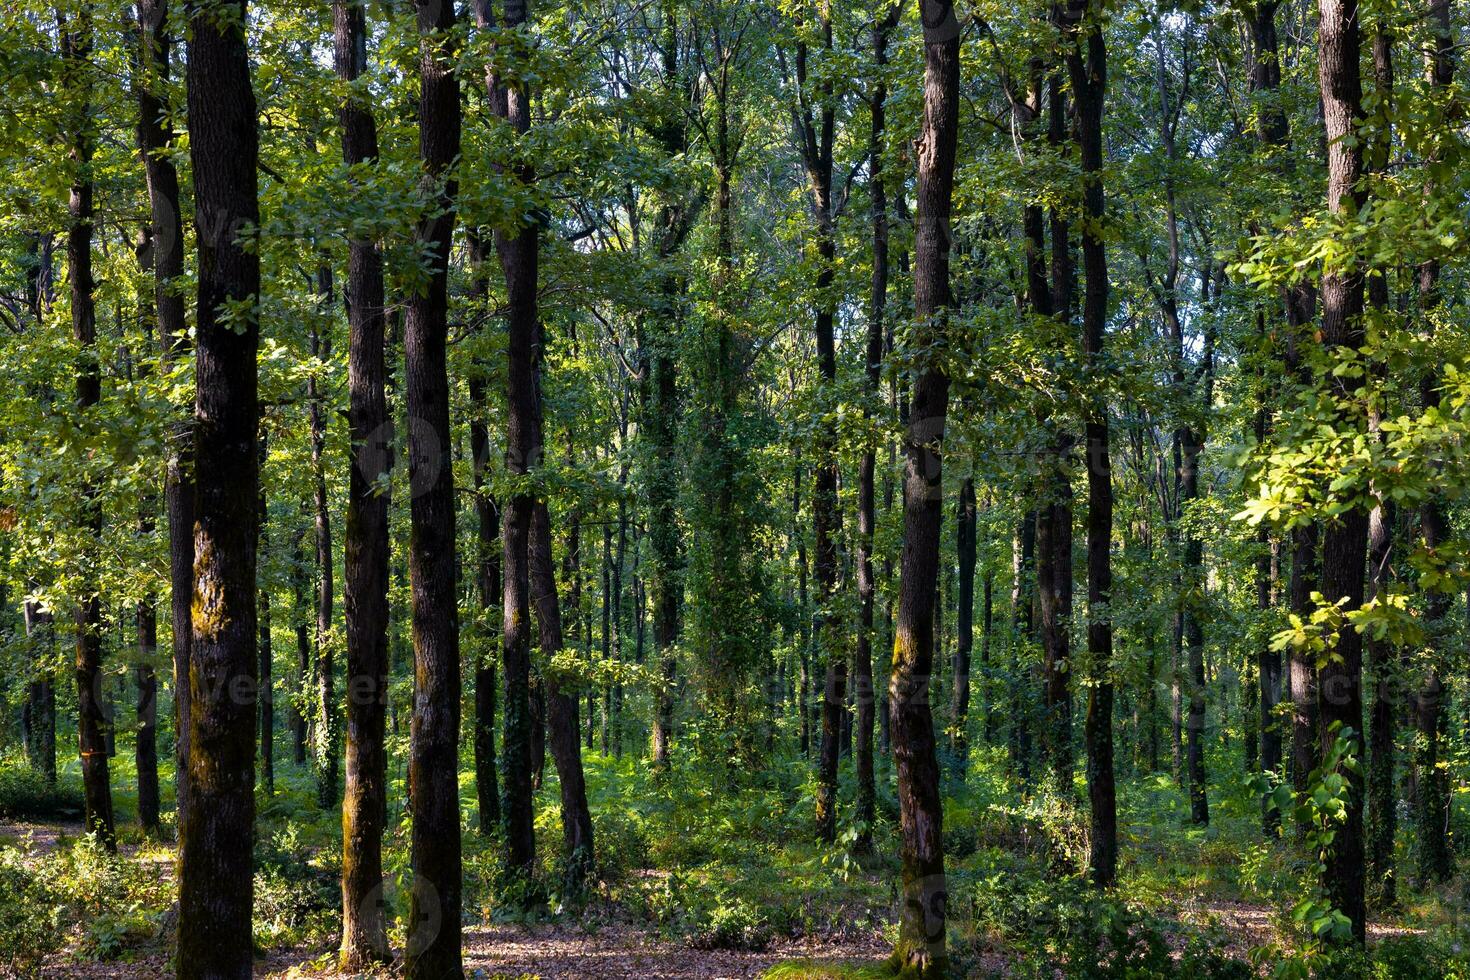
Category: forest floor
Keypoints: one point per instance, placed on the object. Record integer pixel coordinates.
(702, 881)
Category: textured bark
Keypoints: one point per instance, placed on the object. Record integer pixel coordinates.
(433, 945)
(94, 721)
(325, 743)
(366, 545)
(146, 743)
(561, 708)
(155, 137)
(489, 582)
(518, 254)
(863, 688)
(1344, 541)
(964, 627)
(1087, 70)
(921, 931)
(215, 880)
(264, 652)
(1431, 780)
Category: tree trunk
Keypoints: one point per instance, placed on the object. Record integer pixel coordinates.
(1088, 75)
(215, 880)
(155, 137)
(365, 540)
(488, 577)
(263, 649)
(921, 932)
(93, 718)
(146, 745)
(1344, 541)
(1431, 777)
(433, 945)
(964, 627)
(325, 743)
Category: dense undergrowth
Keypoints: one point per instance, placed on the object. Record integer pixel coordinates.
(717, 861)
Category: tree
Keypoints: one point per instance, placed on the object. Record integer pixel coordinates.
(433, 945)
(365, 562)
(921, 936)
(215, 861)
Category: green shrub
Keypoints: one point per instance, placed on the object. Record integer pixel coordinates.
(30, 918)
(25, 794)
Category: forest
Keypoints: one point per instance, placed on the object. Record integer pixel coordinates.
(735, 488)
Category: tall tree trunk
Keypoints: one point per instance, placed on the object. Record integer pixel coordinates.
(1431, 777)
(433, 945)
(155, 137)
(300, 585)
(93, 719)
(1344, 541)
(964, 627)
(517, 252)
(325, 743)
(488, 575)
(365, 544)
(867, 505)
(263, 649)
(1088, 75)
(215, 880)
(921, 932)
(146, 745)
(561, 707)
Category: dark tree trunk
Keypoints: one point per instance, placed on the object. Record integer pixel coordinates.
(488, 580)
(300, 584)
(518, 254)
(146, 745)
(1431, 780)
(263, 641)
(921, 932)
(1088, 74)
(433, 945)
(1344, 541)
(167, 246)
(93, 717)
(964, 627)
(863, 687)
(561, 708)
(215, 880)
(325, 743)
(366, 545)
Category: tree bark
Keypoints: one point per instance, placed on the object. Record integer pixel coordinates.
(1088, 75)
(433, 945)
(964, 627)
(215, 880)
(921, 933)
(1344, 541)
(264, 652)
(146, 745)
(93, 718)
(366, 544)
(489, 580)
(325, 743)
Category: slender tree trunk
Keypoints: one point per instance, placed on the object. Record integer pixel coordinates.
(93, 718)
(1088, 75)
(263, 639)
(964, 627)
(365, 540)
(300, 584)
(215, 879)
(488, 578)
(921, 932)
(166, 235)
(146, 746)
(325, 743)
(518, 253)
(433, 945)
(1431, 781)
(1344, 541)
